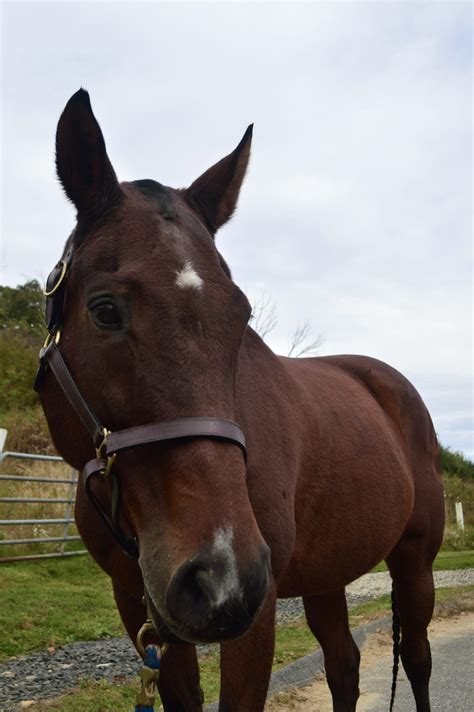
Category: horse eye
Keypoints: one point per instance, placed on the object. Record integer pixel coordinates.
(106, 316)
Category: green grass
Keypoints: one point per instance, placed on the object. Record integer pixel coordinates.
(51, 602)
(292, 642)
(445, 561)
(94, 697)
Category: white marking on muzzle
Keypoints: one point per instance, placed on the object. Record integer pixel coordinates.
(228, 584)
(188, 278)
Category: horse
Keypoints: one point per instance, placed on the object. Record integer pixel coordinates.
(227, 476)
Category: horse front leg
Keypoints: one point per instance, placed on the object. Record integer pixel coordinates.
(246, 663)
(178, 684)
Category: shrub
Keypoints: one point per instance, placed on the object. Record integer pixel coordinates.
(457, 540)
(27, 431)
(22, 308)
(454, 463)
(18, 363)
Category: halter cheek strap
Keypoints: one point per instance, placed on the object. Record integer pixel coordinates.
(109, 444)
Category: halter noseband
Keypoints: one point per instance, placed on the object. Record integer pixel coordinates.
(109, 444)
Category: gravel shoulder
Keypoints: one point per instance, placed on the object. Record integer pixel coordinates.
(47, 674)
(371, 586)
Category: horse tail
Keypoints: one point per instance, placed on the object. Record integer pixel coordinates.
(396, 646)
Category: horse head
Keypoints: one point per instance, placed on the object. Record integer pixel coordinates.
(152, 331)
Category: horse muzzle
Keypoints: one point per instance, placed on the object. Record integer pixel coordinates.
(208, 601)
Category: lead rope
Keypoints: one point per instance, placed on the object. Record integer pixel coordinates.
(150, 670)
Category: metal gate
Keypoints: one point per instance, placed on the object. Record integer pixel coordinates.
(8, 503)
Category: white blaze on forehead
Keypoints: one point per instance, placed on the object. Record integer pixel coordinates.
(188, 278)
(223, 551)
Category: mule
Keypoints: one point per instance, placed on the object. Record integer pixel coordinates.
(342, 469)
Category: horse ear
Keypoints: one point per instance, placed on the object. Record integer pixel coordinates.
(82, 164)
(214, 194)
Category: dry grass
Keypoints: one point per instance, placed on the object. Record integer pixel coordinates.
(30, 510)
(27, 430)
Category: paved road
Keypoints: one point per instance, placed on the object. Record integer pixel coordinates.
(452, 686)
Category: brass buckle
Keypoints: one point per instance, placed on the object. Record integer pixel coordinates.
(56, 336)
(59, 282)
(99, 451)
(110, 462)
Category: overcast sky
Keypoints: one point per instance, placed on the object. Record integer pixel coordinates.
(356, 211)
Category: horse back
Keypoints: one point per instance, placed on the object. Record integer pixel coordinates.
(398, 398)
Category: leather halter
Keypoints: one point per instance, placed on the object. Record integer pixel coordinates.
(109, 444)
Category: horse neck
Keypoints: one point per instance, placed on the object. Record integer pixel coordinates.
(255, 351)
(261, 372)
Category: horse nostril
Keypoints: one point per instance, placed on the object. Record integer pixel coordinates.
(190, 589)
(208, 598)
(204, 580)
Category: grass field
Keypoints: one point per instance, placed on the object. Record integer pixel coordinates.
(292, 642)
(445, 561)
(52, 602)
(71, 599)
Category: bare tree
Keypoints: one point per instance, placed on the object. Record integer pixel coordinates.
(264, 320)
(264, 315)
(300, 343)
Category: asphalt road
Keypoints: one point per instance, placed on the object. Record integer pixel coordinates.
(452, 682)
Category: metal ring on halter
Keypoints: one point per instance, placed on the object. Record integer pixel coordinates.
(110, 462)
(100, 450)
(60, 280)
(56, 337)
(147, 627)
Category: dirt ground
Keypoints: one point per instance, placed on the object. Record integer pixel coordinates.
(375, 672)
